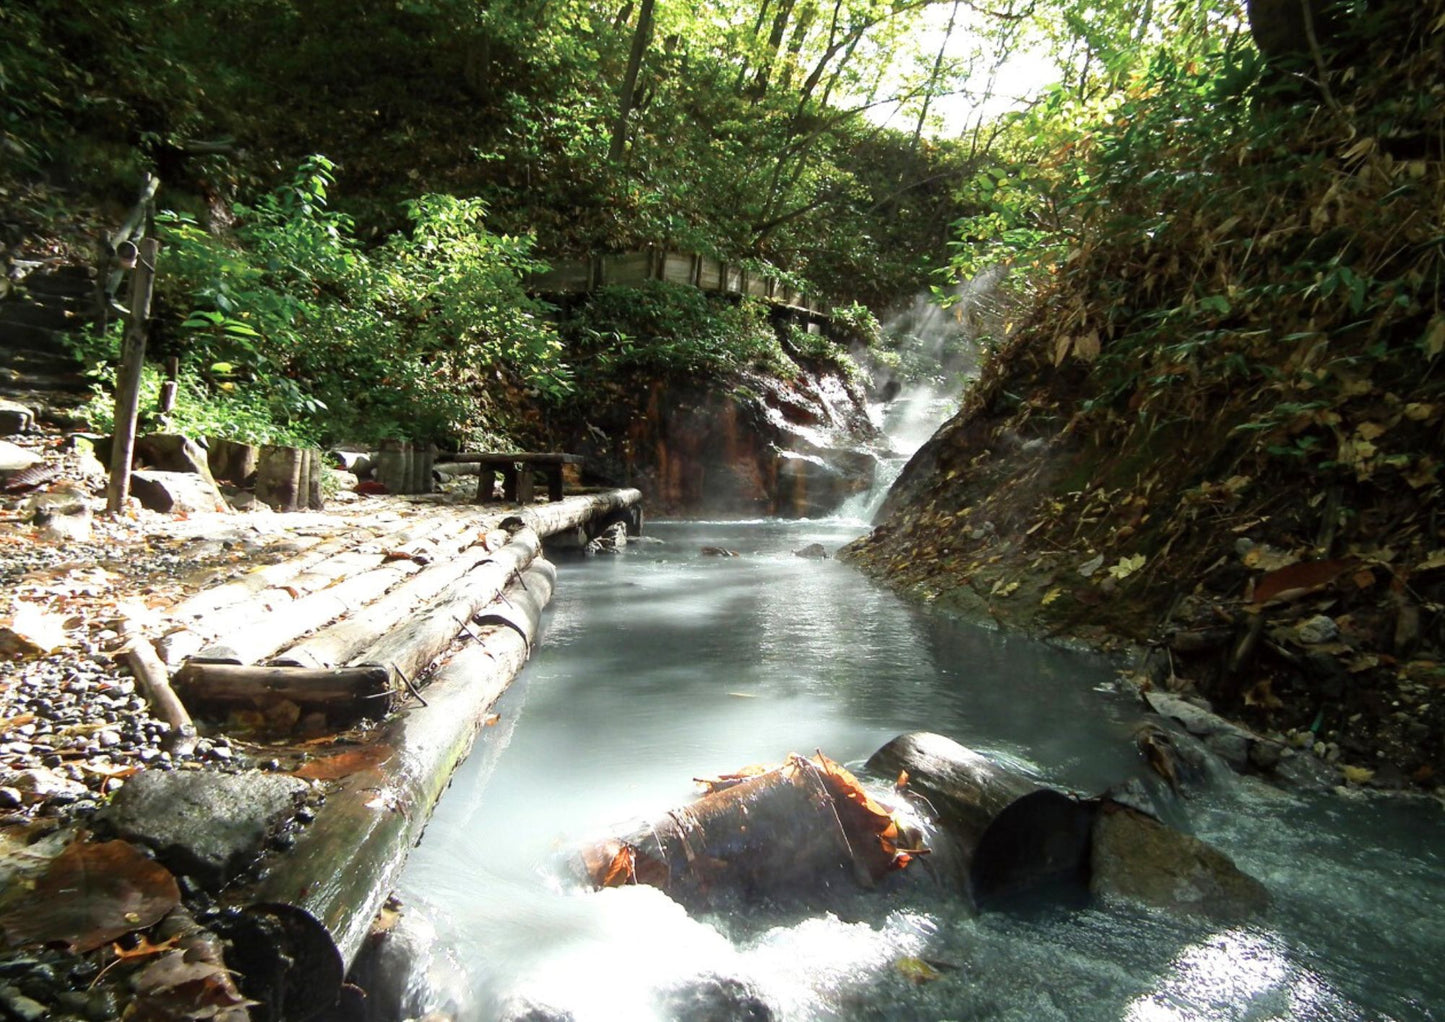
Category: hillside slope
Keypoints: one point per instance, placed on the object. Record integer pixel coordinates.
(1217, 432)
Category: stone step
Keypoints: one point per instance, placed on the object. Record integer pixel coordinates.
(64, 281)
(49, 317)
(36, 360)
(13, 383)
(21, 336)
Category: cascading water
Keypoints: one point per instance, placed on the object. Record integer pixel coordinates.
(938, 352)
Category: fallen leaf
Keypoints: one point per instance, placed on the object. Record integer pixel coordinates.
(1299, 579)
(91, 894)
(917, 970)
(336, 765)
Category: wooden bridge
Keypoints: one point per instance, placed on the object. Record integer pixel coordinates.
(630, 269)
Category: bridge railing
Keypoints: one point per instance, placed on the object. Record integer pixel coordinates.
(634, 268)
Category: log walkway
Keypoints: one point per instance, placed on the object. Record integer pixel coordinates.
(418, 623)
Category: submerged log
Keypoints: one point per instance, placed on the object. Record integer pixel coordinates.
(1010, 834)
(346, 862)
(787, 831)
(344, 694)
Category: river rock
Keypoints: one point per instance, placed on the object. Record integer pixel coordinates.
(206, 825)
(813, 551)
(1135, 858)
(172, 452)
(176, 492)
(15, 418)
(1229, 742)
(610, 541)
(15, 459)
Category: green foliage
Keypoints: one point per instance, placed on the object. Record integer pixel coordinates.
(201, 410)
(673, 331)
(1266, 260)
(397, 340)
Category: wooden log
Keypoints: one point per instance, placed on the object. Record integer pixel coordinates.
(408, 650)
(387, 528)
(343, 641)
(1010, 834)
(258, 636)
(570, 512)
(793, 831)
(233, 608)
(344, 694)
(347, 861)
(154, 681)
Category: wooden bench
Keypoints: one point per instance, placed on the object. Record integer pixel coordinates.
(517, 472)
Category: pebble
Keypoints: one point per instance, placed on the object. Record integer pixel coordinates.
(23, 1008)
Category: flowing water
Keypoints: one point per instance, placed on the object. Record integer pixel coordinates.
(661, 665)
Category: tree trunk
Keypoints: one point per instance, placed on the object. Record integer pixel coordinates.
(128, 380)
(626, 94)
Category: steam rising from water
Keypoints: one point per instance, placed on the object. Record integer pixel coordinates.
(938, 354)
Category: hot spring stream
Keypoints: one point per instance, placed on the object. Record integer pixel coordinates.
(661, 665)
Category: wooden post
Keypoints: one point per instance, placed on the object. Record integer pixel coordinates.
(167, 399)
(127, 390)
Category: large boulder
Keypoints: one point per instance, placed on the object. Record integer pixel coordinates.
(172, 452)
(15, 459)
(15, 418)
(1135, 858)
(176, 492)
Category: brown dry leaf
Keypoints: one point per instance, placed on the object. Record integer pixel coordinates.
(90, 895)
(722, 781)
(860, 814)
(144, 948)
(172, 989)
(1299, 579)
(1262, 694)
(336, 765)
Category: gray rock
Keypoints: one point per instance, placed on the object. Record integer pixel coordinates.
(813, 551)
(15, 418)
(15, 459)
(610, 541)
(23, 1008)
(1317, 629)
(172, 452)
(1137, 859)
(176, 492)
(207, 825)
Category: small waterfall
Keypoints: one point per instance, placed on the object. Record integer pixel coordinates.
(938, 354)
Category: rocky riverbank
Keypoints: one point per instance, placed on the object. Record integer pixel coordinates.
(131, 847)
